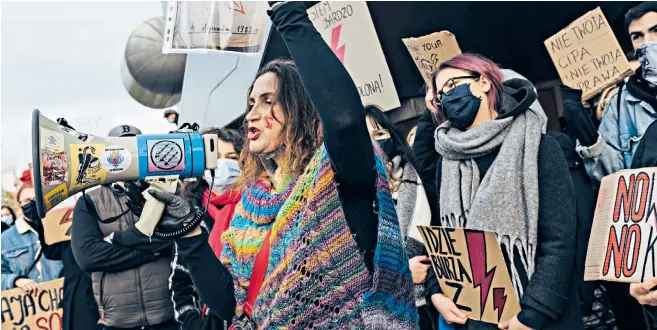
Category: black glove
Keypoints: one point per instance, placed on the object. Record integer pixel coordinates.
(578, 119)
(179, 217)
(136, 200)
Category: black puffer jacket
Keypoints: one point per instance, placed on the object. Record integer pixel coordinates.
(131, 286)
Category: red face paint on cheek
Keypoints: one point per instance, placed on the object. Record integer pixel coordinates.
(269, 117)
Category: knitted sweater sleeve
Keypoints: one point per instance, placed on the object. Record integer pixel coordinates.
(546, 294)
(336, 98)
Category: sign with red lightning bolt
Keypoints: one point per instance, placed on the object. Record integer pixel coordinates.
(472, 272)
(347, 28)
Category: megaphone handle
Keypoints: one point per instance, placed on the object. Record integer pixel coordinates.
(153, 209)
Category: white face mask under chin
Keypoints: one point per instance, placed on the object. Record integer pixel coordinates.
(228, 170)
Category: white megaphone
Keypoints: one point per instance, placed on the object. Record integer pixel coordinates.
(66, 162)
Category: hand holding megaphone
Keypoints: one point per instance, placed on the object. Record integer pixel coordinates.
(67, 162)
(179, 216)
(136, 200)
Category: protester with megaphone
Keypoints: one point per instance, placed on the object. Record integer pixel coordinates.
(23, 263)
(130, 285)
(316, 209)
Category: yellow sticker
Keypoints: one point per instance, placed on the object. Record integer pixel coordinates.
(55, 196)
(86, 169)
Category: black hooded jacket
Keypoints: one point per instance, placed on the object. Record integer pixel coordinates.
(550, 300)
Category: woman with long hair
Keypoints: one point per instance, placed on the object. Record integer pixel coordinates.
(314, 242)
(494, 170)
(410, 202)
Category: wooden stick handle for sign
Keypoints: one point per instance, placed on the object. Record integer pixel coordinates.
(153, 209)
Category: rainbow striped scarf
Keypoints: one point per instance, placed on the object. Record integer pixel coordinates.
(316, 276)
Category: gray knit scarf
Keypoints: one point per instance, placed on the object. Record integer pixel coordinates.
(506, 200)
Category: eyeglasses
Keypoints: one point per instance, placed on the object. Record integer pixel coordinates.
(26, 201)
(449, 86)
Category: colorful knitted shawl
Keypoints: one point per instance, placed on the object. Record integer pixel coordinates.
(316, 276)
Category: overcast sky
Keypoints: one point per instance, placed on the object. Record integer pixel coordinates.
(64, 58)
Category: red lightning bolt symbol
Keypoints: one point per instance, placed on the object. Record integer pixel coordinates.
(269, 117)
(499, 299)
(335, 37)
(240, 7)
(476, 242)
(66, 219)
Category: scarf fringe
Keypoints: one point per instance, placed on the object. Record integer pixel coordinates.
(527, 256)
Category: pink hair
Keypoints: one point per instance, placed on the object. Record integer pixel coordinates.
(478, 64)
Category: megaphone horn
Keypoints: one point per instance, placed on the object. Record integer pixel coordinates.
(66, 162)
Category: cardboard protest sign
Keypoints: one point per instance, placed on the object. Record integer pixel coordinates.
(39, 311)
(624, 232)
(57, 225)
(471, 271)
(347, 28)
(201, 26)
(587, 54)
(431, 50)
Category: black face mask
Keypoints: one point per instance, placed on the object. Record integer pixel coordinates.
(30, 211)
(388, 147)
(461, 107)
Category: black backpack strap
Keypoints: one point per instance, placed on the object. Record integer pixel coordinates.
(618, 97)
(36, 261)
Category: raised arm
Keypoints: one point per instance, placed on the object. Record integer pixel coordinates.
(600, 150)
(332, 91)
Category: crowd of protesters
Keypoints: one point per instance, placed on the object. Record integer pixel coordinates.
(310, 219)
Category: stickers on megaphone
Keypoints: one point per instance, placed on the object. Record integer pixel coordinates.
(67, 162)
(86, 165)
(115, 159)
